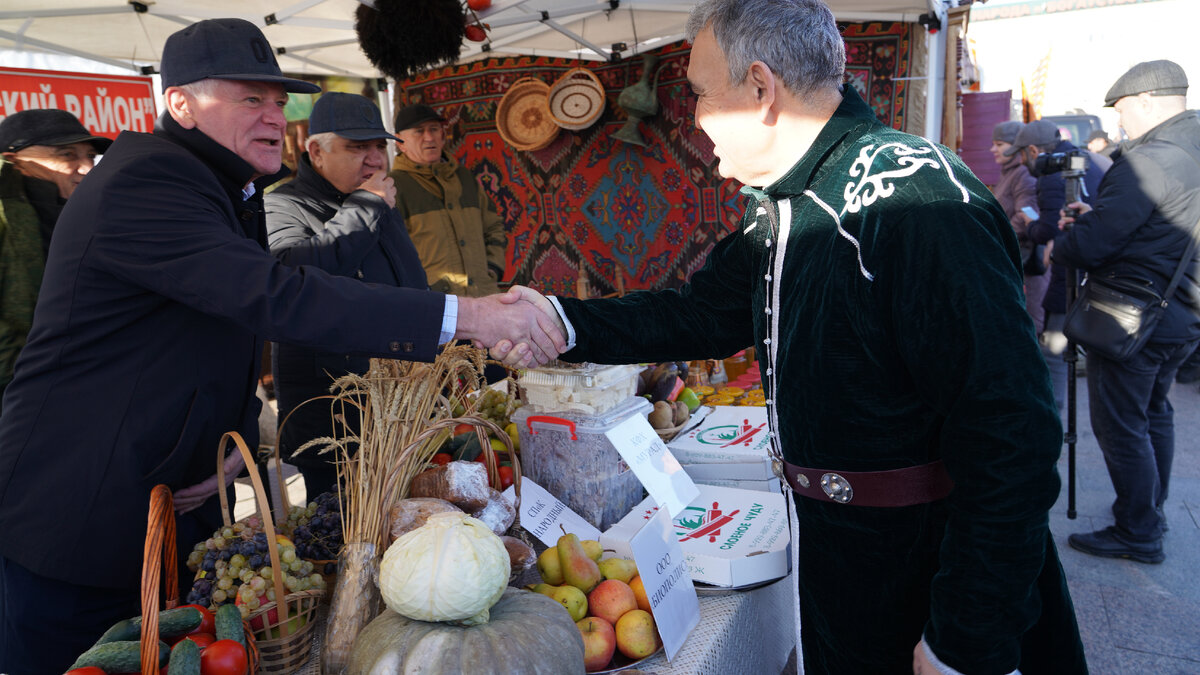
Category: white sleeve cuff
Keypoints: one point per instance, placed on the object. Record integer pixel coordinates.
(563, 315)
(943, 668)
(449, 320)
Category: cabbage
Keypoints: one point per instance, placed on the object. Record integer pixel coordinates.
(451, 568)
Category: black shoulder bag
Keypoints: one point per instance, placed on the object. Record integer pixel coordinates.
(1115, 316)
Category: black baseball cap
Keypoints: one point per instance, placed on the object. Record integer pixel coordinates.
(1160, 78)
(224, 49)
(347, 115)
(411, 116)
(1037, 132)
(46, 126)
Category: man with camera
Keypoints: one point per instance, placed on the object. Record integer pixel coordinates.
(1143, 220)
(1064, 173)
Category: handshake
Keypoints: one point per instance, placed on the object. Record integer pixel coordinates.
(521, 328)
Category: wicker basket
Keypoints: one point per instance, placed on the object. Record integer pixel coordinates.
(288, 644)
(523, 116)
(160, 542)
(576, 99)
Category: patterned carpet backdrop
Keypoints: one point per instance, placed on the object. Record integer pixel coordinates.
(650, 214)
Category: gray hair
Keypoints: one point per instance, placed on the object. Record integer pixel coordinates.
(325, 140)
(797, 39)
(205, 88)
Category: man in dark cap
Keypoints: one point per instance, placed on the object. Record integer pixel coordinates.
(146, 343)
(45, 153)
(1036, 138)
(1099, 143)
(1139, 227)
(458, 234)
(338, 214)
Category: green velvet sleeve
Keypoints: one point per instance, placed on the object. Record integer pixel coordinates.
(964, 337)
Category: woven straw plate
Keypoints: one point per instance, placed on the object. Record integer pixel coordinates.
(523, 115)
(576, 99)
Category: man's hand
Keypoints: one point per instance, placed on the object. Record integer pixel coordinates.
(1064, 221)
(487, 321)
(511, 354)
(921, 664)
(381, 184)
(192, 497)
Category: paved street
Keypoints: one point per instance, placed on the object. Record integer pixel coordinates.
(1137, 618)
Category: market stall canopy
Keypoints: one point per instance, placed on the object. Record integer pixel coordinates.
(317, 36)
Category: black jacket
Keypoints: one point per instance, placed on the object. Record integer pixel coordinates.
(310, 222)
(1149, 203)
(1051, 198)
(146, 344)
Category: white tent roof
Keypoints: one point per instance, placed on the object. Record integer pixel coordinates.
(317, 36)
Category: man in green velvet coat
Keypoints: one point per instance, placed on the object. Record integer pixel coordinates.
(880, 282)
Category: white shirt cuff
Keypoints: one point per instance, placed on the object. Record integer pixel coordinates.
(943, 668)
(563, 315)
(449, 320)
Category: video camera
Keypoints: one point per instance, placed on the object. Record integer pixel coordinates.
(1073, 164)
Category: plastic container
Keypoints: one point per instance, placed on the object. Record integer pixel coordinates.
(568, 454)
(590, 390)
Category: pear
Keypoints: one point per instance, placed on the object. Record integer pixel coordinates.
(592, 548)
(549, 567)
(572, 599)
(544, 589)
(578, 569)
(622, 569)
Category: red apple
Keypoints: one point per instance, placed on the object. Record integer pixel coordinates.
(611, 599)
(599, 642)
(475, 33)
(479, 5)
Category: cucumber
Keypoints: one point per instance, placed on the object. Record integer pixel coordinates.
(124, 656)
(228, 624)
(171, 623)
(185, 659)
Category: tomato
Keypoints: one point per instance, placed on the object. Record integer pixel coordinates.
(506, 476)
(475, 33)
(441, 458)
(464, 428)
(202, 640)
(87, 670)
(479, 5)
(223, 657)
(208, 624)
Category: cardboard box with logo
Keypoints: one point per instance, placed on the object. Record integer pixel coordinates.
(731, 537)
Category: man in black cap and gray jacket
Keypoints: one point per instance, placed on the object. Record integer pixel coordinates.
(147, 338)
(338, 214)
(1139, 227)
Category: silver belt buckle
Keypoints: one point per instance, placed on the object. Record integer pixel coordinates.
(837, 488)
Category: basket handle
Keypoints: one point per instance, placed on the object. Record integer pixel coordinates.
(158, 552)
(264, 508)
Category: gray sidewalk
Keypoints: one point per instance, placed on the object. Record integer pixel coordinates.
(1136, 618)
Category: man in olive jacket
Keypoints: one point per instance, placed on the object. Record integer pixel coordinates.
(458, 234)
(46, 153)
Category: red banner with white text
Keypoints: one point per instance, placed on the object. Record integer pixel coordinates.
(106, 104)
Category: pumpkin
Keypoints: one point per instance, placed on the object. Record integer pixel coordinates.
(528, 633)
(452, 568)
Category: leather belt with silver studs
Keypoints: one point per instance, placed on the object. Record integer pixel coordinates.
(897, 487)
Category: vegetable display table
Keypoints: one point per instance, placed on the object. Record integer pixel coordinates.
(739, 632)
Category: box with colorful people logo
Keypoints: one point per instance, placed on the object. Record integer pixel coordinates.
(728, 435)
(732, 538)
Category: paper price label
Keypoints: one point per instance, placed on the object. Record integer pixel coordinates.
(541, 514)
(664, 571)
(653, 464)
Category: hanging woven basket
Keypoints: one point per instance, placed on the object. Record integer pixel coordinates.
(576, 99)
(523, 115)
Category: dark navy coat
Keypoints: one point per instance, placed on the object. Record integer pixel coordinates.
(146, 344)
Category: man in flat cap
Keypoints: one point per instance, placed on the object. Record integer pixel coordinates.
(1017, 190)
(1139, 227)
(458, 234)
(44, 154)
(146, 343)
(1036, 138)
(338, 214)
